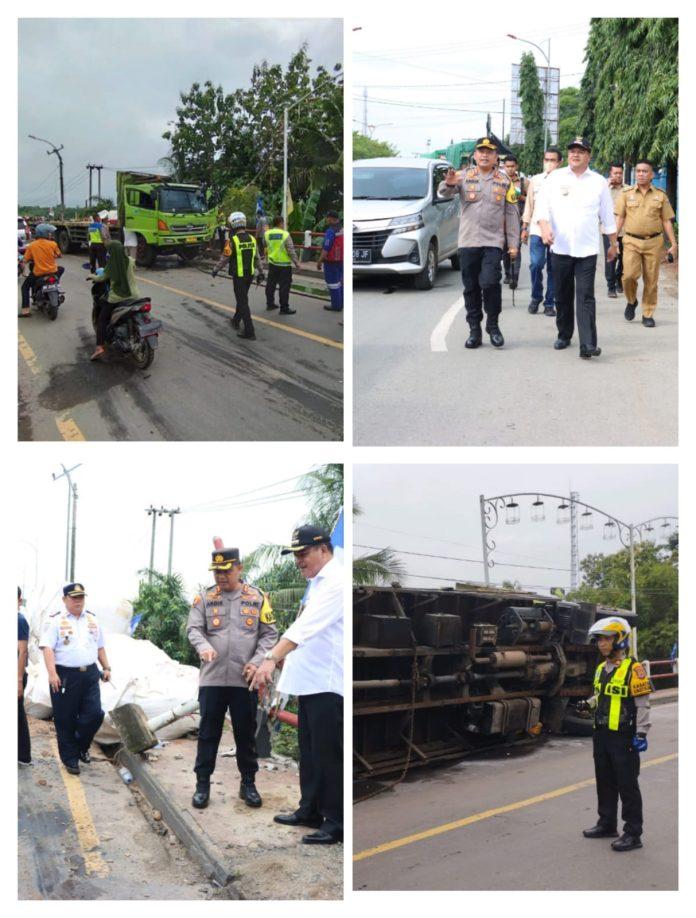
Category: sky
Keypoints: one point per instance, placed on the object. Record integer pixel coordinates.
(434, 509)
(115, 486)
(115, 83)
(422, 62)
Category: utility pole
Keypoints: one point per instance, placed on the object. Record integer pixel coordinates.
(72, 511)
(152, 511)
(172, 514)
(365, 111)
(99, 169)
(574, 540)
(55, 150)
(89, 199)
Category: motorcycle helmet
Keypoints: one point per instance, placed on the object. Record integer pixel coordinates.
(44, 230)
(613, 626)
(237, 220)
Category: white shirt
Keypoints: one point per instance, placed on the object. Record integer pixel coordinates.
(74, 639)
(536, 183)
(575, 205)
(316, 664)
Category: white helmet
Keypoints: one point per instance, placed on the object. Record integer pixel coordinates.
(613, 626)
(237, 219)
(102, 214)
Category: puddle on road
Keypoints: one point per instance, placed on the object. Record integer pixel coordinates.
(71, 384)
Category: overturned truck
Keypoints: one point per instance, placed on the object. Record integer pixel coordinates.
(442, 673)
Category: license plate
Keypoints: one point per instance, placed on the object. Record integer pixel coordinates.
(362, 256)
(191, 239)
(48, 287)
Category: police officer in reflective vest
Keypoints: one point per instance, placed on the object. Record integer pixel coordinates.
(621, 722)
(72, 642)
(280, 253)
(99, 235)
(241, 252)
(232, 627)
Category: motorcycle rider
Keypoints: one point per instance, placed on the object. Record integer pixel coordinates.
(242, 253)
(40, 255)
(120, 274)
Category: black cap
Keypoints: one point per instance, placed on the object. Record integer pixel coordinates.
(306, 537)
(581, 142)
(224, 558)
(485, 143)
(74, 589)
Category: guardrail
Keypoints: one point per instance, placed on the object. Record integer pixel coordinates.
(668, 674)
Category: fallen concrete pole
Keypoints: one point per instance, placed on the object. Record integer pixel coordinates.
(199, 847)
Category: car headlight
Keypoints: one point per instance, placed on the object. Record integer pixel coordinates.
(406, 224)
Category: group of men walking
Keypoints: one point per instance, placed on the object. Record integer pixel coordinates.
(564, 210)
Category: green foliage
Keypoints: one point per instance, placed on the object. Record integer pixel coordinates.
(367, 148)
(606, 579)
(532, 106)
(379, 567)
(568, 116)
(243, 198)
(164, 608)
(629, 90)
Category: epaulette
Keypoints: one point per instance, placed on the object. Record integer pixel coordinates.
(212, 592)
(89, 613)
(53, 614)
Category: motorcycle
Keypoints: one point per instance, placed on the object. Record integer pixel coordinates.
(47, 294)
(131, 330)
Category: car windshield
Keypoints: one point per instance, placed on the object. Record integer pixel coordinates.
(182, 201)
(390, 183)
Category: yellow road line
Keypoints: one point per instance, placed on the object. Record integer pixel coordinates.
(82, 818)
(28, 354)
(329, 342)
(478, 817)
(68, 428)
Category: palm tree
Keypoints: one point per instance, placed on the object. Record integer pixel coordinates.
(379, 567)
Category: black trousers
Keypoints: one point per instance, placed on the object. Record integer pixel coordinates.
(97, 256)
(103, 318)
(215, 701)
(575, 277)
(481, 278)
(281, 277)
(617, 766)
(23, 739)
(613, 270)
(77, 711)
(320, 736)
(241, 295)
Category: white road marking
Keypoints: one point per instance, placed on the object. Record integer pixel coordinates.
(438, 339)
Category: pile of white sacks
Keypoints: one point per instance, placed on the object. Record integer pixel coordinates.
(140, 672)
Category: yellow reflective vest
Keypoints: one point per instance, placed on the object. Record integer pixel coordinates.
(616, 688)
(275, 243)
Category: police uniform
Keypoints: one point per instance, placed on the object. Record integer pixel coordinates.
(242, 253)
(77, 712)
(280, 252)
(488, 225)
(621, 691)
(240, 626)
(643, 244)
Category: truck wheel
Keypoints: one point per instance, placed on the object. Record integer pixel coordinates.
(189, 253)
(577, 725)
(426, 278)
(145, 254)
(63, 240)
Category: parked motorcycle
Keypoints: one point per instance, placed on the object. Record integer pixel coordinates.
(131, 330)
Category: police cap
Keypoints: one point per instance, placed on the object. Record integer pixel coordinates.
(306, 537)
(485, 143)
(582, 142)
(74, 589)
(224, 558)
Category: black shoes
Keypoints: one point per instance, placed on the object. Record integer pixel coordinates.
(236, 321)
(250, 336)
(549, 311)
(85, 757)
(630, 311)
(474, 339)
(533, 307)
(287, 312)
(627, 842)
(202, 795)
(249, 794)
(561, 343)
(496, 337)
(271, 307)
(72, 769)
(619, 287)
(292, 819)
(648, 322)
(612, 294)
(322, 837)
(587, 352)
(600, 831)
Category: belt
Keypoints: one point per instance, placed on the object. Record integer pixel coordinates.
(75, 669)
(651, 236)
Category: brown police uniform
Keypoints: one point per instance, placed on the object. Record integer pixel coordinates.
(643, 245)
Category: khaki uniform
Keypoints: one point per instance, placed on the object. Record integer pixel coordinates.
(616, 193)
(643, 244)
(487, 219)
(239, 625)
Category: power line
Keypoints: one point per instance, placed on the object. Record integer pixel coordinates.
(242, 493)
(422, 554)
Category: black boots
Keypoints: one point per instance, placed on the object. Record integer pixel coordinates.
(202, 795)
(627, 842)
(600, 831)
(249, 794)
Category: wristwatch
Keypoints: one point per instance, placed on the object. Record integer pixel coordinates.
(269, 656)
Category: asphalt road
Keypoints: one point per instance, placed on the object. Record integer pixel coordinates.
(416, 385)
(205, 382)
(534, 841)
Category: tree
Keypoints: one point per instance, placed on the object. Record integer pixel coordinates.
(532, 106)
(568, 116)
(629, 92)
(164, 608)
(367, 148)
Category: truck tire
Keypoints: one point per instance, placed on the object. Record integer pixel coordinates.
(146, 254)
(63, 240)
(577, 725)
(426, 278)
(189, 252)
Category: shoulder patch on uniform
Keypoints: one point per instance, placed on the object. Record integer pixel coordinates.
(639, 671)
(88, 612)
(53, 614)
(267, 616)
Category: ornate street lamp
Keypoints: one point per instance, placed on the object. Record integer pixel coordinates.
(512, 513)
(586, 520)
(562, 515)
(538, 515)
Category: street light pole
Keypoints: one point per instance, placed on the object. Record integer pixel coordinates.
(69, 543)
(55, 150)
(484, 540)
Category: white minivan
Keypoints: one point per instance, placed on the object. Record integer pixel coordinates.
(400, 226)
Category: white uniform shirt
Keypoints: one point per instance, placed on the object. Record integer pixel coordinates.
(316, 664)
(574, 206)
(74, 639)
